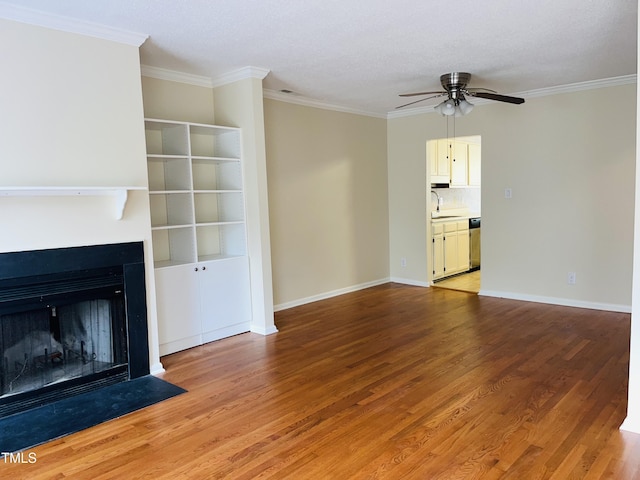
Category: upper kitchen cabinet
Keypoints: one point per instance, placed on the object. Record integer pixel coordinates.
(455, 162)
(474, 164)
(459, 164)
(439, 161)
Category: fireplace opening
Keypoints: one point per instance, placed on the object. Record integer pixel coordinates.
(71, 320)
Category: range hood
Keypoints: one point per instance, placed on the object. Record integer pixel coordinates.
(440, 181)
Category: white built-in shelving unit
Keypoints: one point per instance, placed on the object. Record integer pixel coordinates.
(198, 222)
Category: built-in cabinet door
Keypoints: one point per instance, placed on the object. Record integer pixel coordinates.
(459, 158)
(450, 248)
(474, 165)
(225, 298)
(462, 237)
(178, 303)
(432, 157)
(438, 254)
(443, 163)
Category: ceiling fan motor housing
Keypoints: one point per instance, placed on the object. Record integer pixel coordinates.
(455, 83)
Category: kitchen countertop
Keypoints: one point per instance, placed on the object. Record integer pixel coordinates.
(449, 219)
(453, 214)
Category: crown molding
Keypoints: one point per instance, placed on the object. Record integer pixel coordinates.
(201, 80)
(541, 92)
(70, 25)
(308, 102)
(174, 76)
(580, 86)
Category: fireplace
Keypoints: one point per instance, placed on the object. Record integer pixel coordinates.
(72, 320)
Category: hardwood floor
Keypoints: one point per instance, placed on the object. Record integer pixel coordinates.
(392, 382)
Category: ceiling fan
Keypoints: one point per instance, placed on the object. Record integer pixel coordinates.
(456, 90)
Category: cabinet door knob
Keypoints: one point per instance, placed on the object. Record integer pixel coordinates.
(204, 268)
(195, 269)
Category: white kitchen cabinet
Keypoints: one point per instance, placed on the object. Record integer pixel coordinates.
(462, 246)
(450, 248)
(437, 253)
(455, 162)
(198, 232)
(459, 167)
(474, 163)
(439, 162)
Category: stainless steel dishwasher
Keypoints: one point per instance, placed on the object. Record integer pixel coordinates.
(474, 244)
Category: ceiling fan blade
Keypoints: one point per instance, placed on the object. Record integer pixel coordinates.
(420, 93)
(497, 97)
(477, 89)
(421, 100)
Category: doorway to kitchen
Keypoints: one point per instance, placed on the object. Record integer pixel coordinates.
(453, 199)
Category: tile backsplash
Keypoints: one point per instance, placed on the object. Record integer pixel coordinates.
(458, 197)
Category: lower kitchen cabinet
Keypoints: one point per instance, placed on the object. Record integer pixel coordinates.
(201, 302)
(450, 248)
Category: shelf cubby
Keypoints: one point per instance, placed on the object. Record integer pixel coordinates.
(166, 138)
(214, 142)
(171, 209)
(168, 173)
(215, 207)
(221, 241)
(209, 174)
(173, 246)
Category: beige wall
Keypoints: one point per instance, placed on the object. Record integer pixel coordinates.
(72, 110)
(177, 101)
(328, 207)
(570, 162)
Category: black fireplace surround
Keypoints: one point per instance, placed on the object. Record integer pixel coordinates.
(46, 352)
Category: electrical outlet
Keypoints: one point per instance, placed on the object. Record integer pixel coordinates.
(403, 262)
(571, 278)
(507, 193)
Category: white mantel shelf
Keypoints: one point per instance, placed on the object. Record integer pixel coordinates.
(120, 194)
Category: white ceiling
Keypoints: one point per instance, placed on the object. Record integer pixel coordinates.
(360, 54)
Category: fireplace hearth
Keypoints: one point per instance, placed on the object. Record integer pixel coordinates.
(72, 320)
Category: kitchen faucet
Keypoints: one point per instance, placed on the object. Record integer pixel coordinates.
(437, 200)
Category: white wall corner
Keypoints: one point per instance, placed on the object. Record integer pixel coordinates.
(631, 424)
(71, 25)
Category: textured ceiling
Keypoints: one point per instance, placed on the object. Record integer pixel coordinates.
(361, 54)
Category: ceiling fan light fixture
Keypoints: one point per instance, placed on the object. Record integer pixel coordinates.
(465, 107)
(448, 107)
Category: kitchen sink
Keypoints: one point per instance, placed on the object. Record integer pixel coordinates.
(450, 212)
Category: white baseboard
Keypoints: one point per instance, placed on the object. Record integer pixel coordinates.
(330, 294)
(265, 331)
(408, 281)
(157, 369)
(566, 302)
(631, 425)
